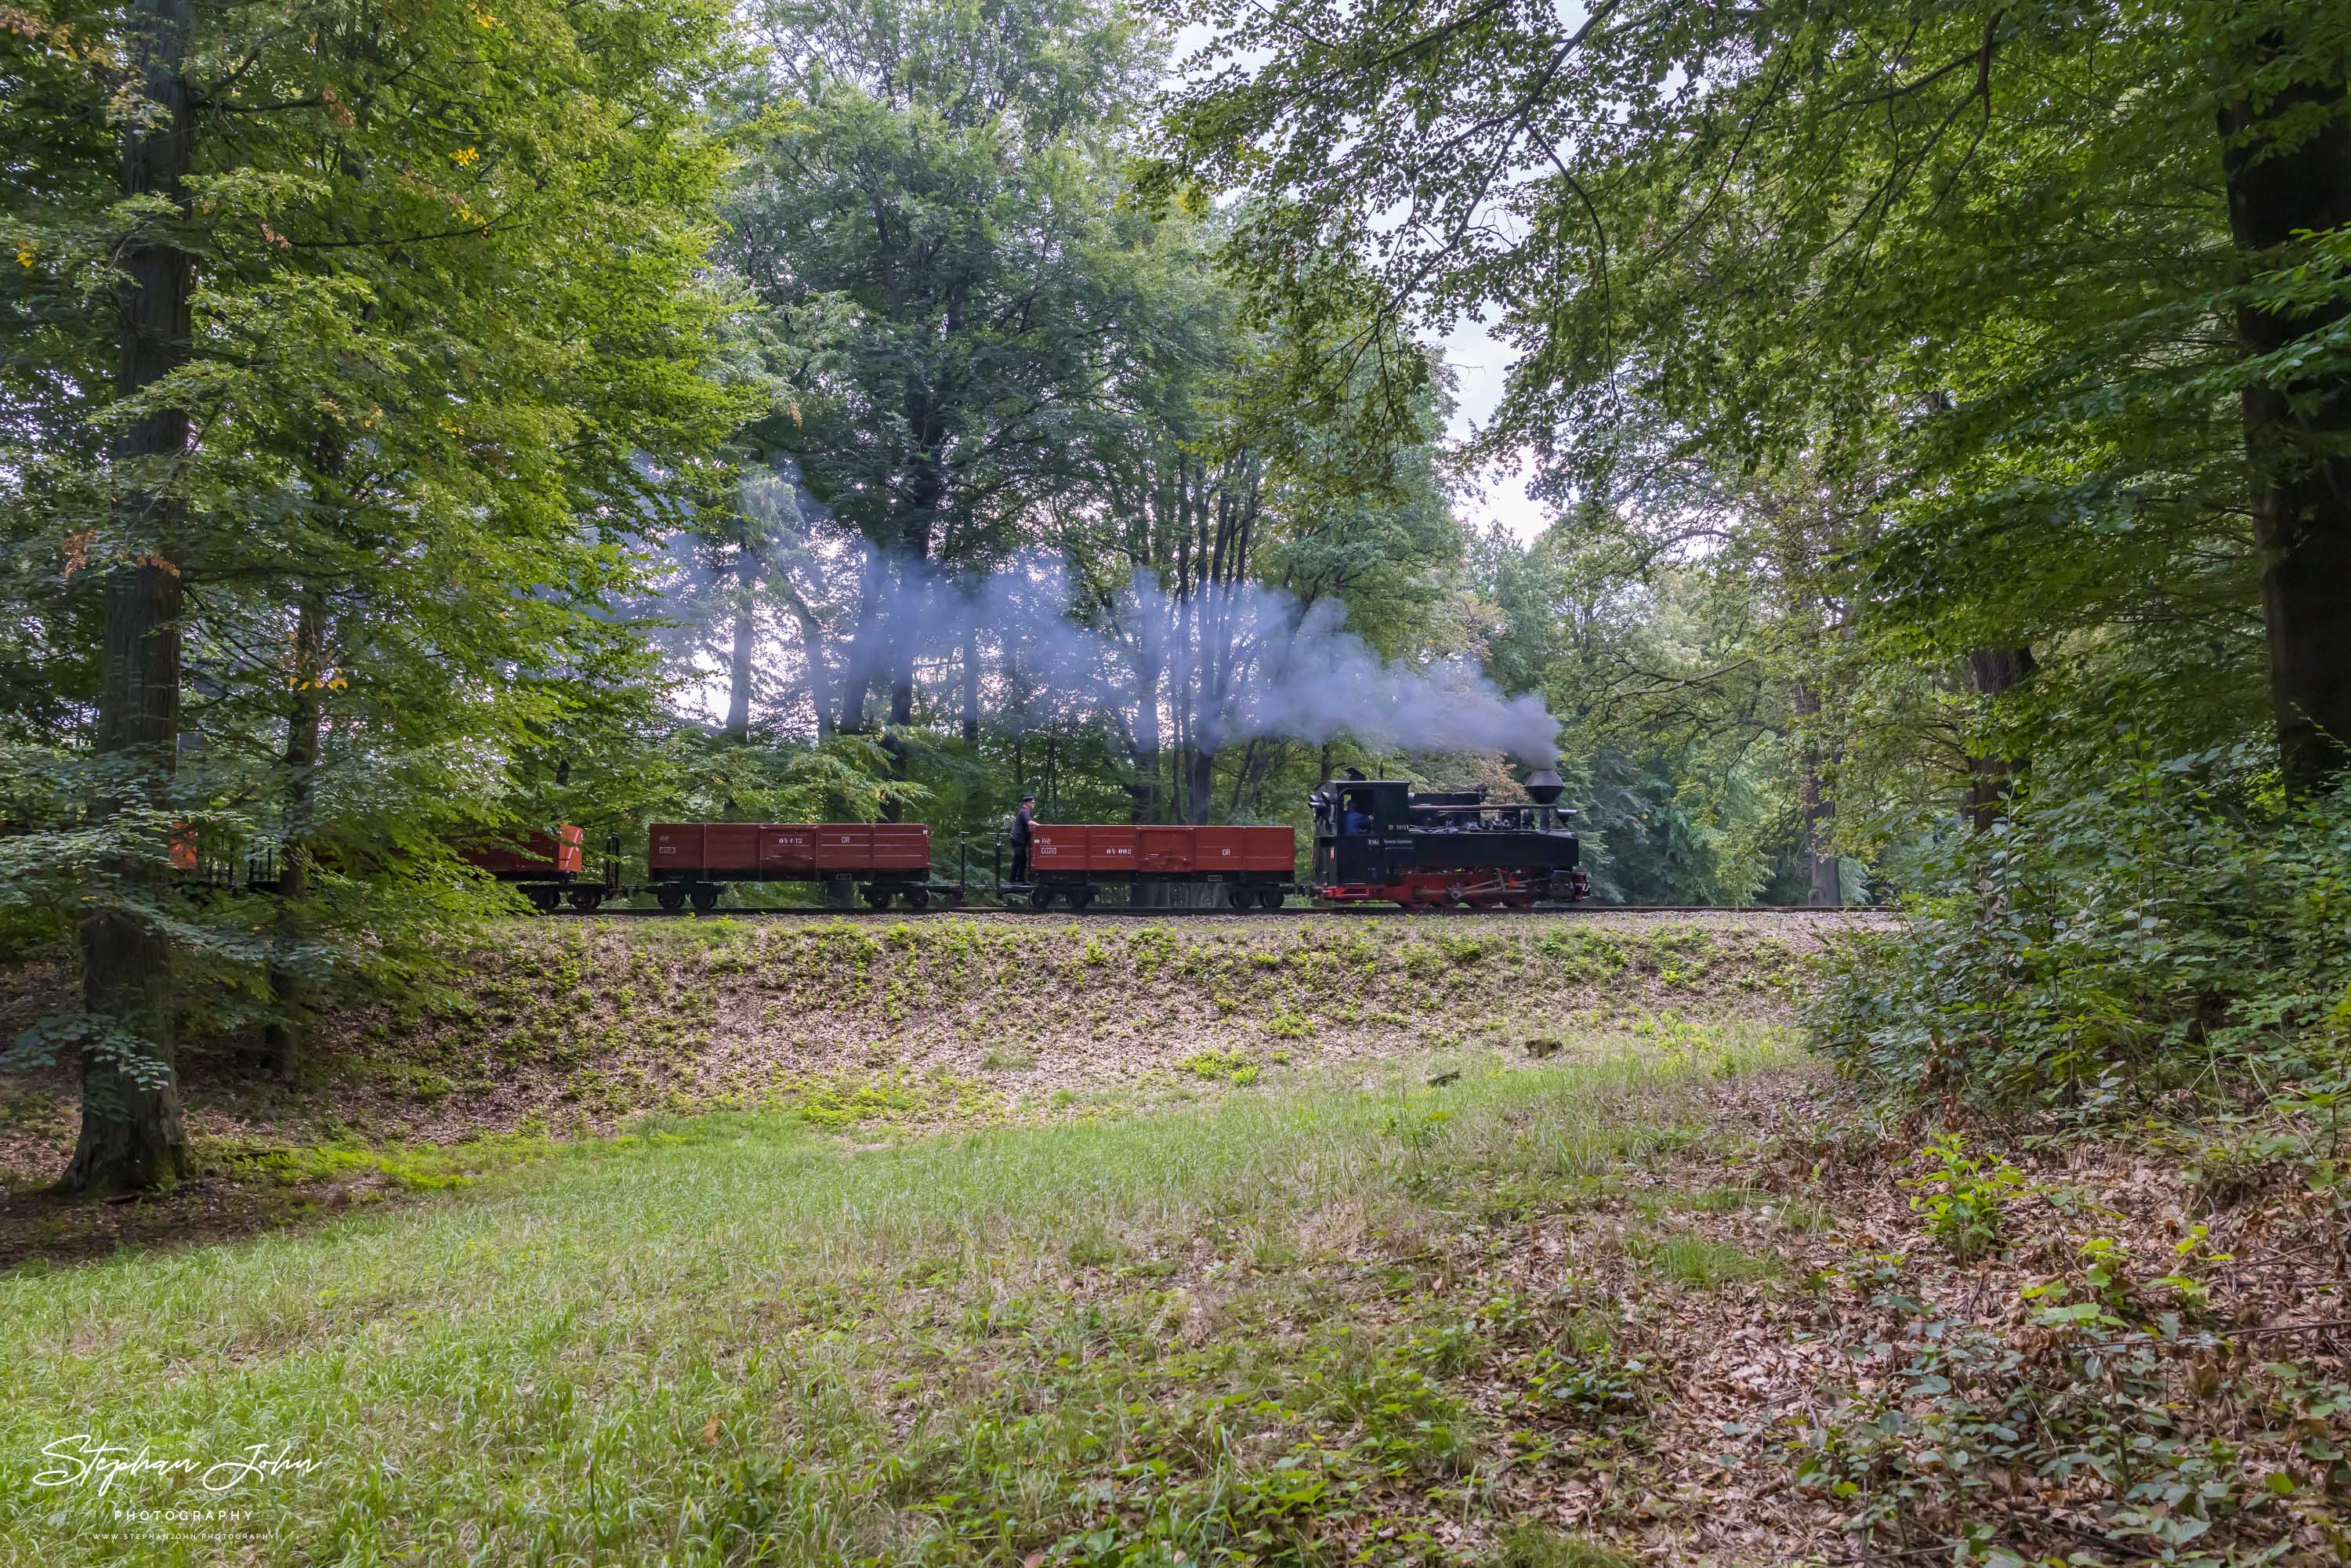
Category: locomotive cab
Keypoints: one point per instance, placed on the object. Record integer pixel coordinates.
(1357, 826)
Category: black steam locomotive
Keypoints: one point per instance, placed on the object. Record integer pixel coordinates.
(1377, 840)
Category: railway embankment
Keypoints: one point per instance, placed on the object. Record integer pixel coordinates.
(919, 1022)
(546, 1033)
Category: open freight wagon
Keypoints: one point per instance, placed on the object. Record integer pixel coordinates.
(1241, 866)
(549, 869)
(877, 860)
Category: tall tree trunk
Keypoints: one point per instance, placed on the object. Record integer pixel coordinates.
(1200, 787)
(131, 1135)
(819, 683)
(906, 627)
(1150, 737)
(970, 673)
(286, 1034)
(746, 642)
(1993, 779)
(864, 642)
(2286, 157)
(1827, 887)
(915, 532)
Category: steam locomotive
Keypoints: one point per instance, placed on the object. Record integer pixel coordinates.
(1380, 840)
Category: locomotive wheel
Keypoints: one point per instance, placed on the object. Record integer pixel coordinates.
(670, 897)
(918, 898)
(705, 899)
(1040, 897)
(587, 898)
(1269, 898)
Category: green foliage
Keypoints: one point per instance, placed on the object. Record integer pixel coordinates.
(2140, 927)
(849, 1099)
(424, 1167)
(1287, 1025)
(1587, 1381)
(1217, 1065)
(1962, 1199)
(1540, 1546)
(2097, 1401)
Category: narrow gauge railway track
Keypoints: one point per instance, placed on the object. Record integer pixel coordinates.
(1351, 911)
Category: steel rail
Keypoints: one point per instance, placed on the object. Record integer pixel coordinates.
(1128, 912)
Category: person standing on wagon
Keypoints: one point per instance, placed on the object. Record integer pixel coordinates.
(1022, 821)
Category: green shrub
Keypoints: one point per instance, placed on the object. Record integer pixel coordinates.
(1214, 1064)
(2155, 926)
(1962, 1199)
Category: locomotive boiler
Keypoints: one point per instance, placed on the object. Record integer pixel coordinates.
(1380, 840)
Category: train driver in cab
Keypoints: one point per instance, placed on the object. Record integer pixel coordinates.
(1353, 819)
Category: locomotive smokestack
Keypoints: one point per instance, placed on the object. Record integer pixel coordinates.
(1544, 786)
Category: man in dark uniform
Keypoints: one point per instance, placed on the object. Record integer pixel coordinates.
(1021, 821)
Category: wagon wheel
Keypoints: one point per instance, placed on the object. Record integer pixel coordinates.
(587, 898)
(877, 898)
(1238, 897)
(545, 899)
(670, 897)
(1269, 898)
(918, 898)
(705, 899)
(1080, 896)
(1040, 897)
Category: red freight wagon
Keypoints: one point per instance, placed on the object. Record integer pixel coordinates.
(1163, 849)
(844, 846)
(881, 861)
(1110, 851)
(1270, 850)
(1074, 861)
(788, 850)
(546, 868)
(902, 846)
(1057, 847)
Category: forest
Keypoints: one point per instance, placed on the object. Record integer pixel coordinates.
(1892, 458)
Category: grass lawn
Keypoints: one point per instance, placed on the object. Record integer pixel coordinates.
(1254, 1329)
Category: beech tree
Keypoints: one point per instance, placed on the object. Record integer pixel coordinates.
(371, 497)
(945, 178)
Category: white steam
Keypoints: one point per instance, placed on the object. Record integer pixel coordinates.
(1222, 664)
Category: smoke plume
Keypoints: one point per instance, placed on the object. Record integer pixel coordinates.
(1220, 665)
